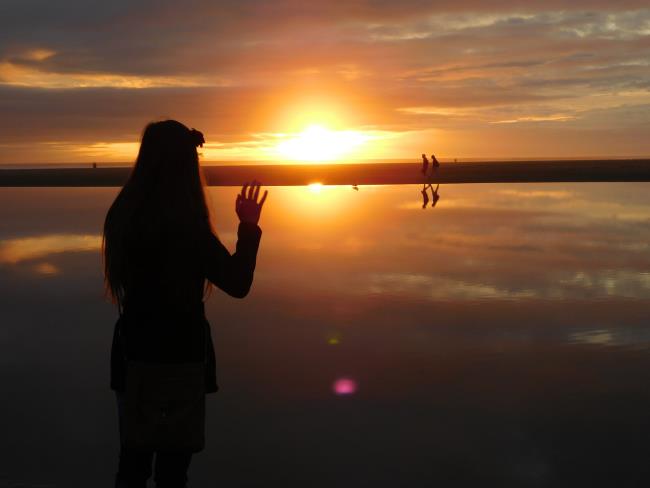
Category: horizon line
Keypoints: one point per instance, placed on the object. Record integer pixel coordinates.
(530, 171)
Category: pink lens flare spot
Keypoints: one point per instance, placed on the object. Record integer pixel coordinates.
(345, 386)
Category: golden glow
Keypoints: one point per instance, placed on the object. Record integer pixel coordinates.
(539, 118)
(315, 187)
(315, 203)
(20, 75)
(124, 151)
(39, 54)
(318, 143)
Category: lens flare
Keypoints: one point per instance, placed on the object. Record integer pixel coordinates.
(345, 386)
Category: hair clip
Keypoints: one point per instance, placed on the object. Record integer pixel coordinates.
(197, 138)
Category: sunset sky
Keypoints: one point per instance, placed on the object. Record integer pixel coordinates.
(324, 80)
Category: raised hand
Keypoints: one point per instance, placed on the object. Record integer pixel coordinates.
(247, 207)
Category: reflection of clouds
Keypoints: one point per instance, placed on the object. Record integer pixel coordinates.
(13, 251)
(502, 240)
(589, 202)
(486, 242)
(620, 336)
(621, 283)
(437, 287)
(624, 284)
(597, 337)
(47, 269)
(543, 194)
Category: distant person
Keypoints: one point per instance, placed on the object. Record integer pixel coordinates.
(425, 164)
(161, 257)
(94, 165)
(434, 162)
(425, 196)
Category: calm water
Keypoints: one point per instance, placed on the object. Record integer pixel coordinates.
(499, 339)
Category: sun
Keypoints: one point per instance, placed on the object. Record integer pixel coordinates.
(318, 143)
(315, 188)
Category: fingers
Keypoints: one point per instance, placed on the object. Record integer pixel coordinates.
(266, 192)
(238, 202)
(251, 190)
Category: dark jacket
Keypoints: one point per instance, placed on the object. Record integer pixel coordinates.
(163, 318)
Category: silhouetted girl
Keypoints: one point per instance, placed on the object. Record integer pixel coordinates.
(161, 256)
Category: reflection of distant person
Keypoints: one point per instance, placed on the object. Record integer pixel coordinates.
(434, 195)
(160, 251)
(425, 196)
(425, 164)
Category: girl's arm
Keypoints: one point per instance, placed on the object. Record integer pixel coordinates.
(234, 273)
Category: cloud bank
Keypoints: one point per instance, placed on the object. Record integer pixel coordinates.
(481, 79)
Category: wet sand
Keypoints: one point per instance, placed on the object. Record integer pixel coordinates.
(552, 171)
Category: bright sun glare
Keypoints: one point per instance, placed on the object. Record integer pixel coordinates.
(315, 187)
(317, 143)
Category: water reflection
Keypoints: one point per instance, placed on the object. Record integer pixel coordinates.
(13, 251)
(47, 269)
(499, 340)
(435, 196)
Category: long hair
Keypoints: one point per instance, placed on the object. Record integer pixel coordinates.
(165, 188)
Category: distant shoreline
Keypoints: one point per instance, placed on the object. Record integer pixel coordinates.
(391, 173)
(261, 162)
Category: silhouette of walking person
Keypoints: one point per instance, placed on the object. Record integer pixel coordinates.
(434, 166)
(434, 162)
(161, 257)
(425, 164)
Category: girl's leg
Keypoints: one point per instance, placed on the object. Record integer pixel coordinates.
(134, 467)
(171, 469)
